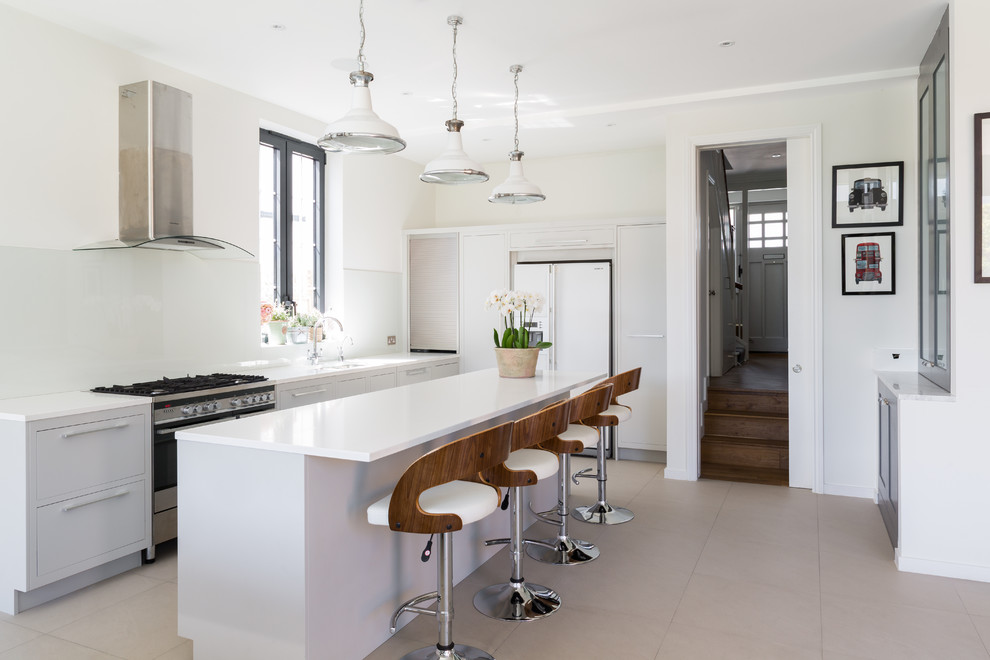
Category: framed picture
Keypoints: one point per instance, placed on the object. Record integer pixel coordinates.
(982, 201)
(868, 264)
(868, 195)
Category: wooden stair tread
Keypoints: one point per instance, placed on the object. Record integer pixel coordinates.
(736, 390)
(747, 414)
(736, 440)
(753, 475)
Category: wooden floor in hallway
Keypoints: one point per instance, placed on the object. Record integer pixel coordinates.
(746, 424)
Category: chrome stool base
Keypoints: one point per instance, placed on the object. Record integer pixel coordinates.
(459, 652)
(517, 601)
(565, 552)
(602, 513)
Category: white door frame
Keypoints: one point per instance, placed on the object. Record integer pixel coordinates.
(687, 407)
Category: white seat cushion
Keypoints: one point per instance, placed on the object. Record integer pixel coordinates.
(619, 412)
(542, 462)
(468, 500)
(586, 435)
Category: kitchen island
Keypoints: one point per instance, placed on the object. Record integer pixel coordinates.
(276, 557)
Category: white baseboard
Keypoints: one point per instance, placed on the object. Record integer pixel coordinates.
(864, 492)
(941, 568)
(681, 475)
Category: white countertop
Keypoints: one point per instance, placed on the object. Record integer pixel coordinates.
(367, 427)
(285, 373)
(46, 406)
(910, 385)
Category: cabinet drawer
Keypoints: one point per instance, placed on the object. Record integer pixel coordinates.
(444, 369)
(81, 456)
(408, 375)
(351, 385)
(382, 381)
(562, 238)
(86, 527)
(302, 395)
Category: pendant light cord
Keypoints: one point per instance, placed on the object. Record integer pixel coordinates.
(453, 85)
(515, 104)
(361, 62)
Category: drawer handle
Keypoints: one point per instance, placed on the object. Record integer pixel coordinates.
(415, 372)
(645, 336)
(555, 241)
(310, 393)
(72, 434)
(119, 493)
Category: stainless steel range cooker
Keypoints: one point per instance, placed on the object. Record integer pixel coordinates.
(182, 403)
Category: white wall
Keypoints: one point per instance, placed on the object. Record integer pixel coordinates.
(81, 319)
(621, 184)
(944, 446)
(863, 123)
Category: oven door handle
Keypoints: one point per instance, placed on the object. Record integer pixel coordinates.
(212, 421)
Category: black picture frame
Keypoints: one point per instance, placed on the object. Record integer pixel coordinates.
(860, 276)
(868, 195)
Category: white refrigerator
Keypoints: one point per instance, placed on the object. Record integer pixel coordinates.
(577, 318)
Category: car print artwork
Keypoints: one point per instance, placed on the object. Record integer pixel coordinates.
(867, 193)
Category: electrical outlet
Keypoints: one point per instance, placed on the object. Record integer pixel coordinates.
(390, 340)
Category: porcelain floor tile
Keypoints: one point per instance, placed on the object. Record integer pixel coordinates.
(683, 642)
(975, 596)
(761, 563)
(47, 647)
(12, 635)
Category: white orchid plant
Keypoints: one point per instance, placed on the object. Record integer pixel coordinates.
(515, 306)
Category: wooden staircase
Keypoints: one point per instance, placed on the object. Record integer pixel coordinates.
(746, 436)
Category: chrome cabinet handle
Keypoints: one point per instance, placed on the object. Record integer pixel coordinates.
(119, 493)
(310, 393)
(646, 336)
(415, 372)
(72, 434)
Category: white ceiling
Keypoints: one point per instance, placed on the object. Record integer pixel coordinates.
(597, 75)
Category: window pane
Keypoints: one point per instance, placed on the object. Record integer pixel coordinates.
(775, 242)
(755, 230)
(755, 243)
(303, 227)
(755, 217)
(774, 229)
(267, 219)
(773, 216)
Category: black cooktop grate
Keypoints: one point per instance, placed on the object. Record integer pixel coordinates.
(181, 384)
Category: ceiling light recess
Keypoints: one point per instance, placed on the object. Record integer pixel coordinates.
(516, 189)
(361, 131)
(453, 166)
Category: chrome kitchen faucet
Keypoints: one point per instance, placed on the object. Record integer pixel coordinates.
(314, 353)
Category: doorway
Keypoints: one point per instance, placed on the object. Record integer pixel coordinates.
(776, 301)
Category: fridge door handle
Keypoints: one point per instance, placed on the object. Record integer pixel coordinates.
(657, 336)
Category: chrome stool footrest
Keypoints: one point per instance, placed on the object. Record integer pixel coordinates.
(583, 474)
(410, 606)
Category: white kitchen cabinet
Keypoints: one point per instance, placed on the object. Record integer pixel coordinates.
(446, 368)
(305, 392)
(416, 373)
(484, 268)
(384, 380)
(351, 385)
(75, 501)
(641, 313)
(562, 238)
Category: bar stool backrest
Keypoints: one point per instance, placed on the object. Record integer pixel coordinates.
(583, 406)
(462, 459)
(528, 432)
(627, 381)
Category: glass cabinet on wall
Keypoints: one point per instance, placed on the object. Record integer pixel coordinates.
(934, 208)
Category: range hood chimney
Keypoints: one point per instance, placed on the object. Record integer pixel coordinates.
(155, 174)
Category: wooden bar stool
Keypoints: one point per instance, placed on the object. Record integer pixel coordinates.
(517, 600)
(563, 550)
(436, 495)
(602, 513)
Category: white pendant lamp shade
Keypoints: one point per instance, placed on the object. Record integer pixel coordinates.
(516, 189)
(453, 166)
(361, 131)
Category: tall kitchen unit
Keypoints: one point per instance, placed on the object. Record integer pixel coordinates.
(577, 318)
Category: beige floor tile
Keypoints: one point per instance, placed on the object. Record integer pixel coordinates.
(686, 642)
(46, 647)
(774, 501)
(674, 518)
(898, 632)
(704, 494)
(975, 596)
(72, 607)
(763, 563)
(649, 548)
(850, 525)
(12, 635)
(791, 531)
(982, 625)
(183, 651)
(140, 628)
(579, 632)
(166, 564)
(878, 581)
(775, 615)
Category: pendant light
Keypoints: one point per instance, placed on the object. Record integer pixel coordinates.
(361, 131)
(516, 189)
(453, 166)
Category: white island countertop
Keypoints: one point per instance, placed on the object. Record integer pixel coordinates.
(371, 426)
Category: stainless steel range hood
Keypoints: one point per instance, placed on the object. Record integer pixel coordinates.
(156, 176)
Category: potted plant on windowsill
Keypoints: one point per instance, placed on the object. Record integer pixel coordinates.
(301, 328)
(276, 317)
(514, 354)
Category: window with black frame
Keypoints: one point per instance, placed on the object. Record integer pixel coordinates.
(291, 222)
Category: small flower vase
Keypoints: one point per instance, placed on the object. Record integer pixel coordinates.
(516, 362)
(276, 332)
